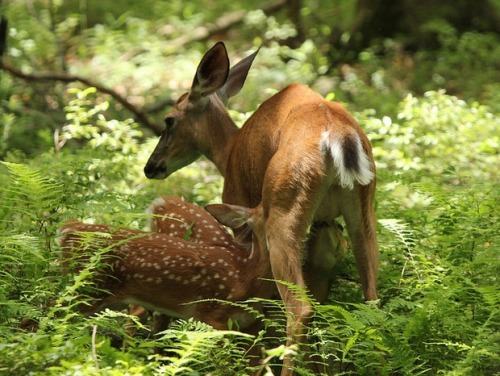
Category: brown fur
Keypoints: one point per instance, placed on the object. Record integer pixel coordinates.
(289, 157)
(168, 274)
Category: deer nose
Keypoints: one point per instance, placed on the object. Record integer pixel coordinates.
(153, 171)
(149, 171)
(157, 171)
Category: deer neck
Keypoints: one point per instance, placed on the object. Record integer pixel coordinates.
(217, 139)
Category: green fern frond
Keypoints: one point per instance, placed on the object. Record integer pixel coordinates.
(491, 295)
(17, 248)
(192, 343)
(20, 254)
(405, 235)
(30, 193)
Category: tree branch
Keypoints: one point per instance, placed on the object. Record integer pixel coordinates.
(3, 35)
(222, 24)
(139, 115)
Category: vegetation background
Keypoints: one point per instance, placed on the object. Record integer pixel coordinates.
(83, 88)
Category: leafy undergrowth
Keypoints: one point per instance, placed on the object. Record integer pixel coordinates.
(438, 236)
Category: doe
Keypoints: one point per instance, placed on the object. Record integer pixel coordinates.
(304, 159)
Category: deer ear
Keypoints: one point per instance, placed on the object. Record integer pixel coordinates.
(237, 76)
(233, 216)
(211, 73)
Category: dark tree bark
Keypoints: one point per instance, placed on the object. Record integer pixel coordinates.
(403, 20)
(294, 8)
(3, 35)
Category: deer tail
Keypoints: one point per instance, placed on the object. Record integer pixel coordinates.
(350, 159)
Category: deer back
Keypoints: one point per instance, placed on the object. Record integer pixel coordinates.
(173, 216)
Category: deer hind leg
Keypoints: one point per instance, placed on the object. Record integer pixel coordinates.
(326, 248)
(285, 236)
(359, 216)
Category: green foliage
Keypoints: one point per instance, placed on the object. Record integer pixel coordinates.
(437, 203)
(472, 55)
(27, 220)
(438, 238)
(196, 348)
(437, 135)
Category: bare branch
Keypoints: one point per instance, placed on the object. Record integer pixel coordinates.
(94, 351)
(222, 24)
(139, 115)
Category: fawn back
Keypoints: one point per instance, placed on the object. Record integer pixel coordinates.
(170, 275)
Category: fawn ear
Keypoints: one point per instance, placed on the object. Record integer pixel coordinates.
(211, 73)
(233, 216)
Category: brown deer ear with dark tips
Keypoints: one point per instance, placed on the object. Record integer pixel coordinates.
(211, 73)
(237, 76)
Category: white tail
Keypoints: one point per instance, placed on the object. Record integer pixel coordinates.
(171, 275)
(352, 164)
(304, 159)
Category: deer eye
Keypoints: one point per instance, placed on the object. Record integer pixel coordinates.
(169, 124)
(340, 227)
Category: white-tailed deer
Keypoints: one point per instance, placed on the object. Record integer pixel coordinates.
(177, 218)
(173, 216)
(304, 159)
(171, 275)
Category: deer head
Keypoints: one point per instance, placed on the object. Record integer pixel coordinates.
(196, 111)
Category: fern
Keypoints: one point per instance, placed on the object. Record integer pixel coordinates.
(193, 345)
(21, 255)
(30, 195)
(401, 230)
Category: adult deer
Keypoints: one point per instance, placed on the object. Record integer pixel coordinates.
(171, 275)
(305, 159)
